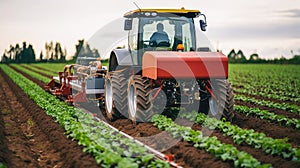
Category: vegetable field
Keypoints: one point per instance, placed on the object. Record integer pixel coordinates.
(39, 130)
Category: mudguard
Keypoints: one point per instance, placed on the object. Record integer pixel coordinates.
(119, 57)
(200, 65)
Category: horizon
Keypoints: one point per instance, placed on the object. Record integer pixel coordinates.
(231, 24)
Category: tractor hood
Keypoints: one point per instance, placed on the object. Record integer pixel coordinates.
(200, 65)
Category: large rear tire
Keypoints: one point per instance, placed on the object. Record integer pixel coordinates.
(116, 94)
(140, 105)
(222, 106)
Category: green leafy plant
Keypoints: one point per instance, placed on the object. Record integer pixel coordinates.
(31, 73)
(212, 145)
(2, 165)
(269, 145)
(282, 106)
(35, 68)
(110, 148)
(278, 82)
(264, 114)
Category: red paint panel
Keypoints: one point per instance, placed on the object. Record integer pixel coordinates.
(165, 64)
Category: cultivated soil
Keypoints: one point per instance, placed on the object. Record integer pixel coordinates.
(185, 154)
(29, 137)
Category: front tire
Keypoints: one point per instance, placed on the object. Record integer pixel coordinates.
(140, 105)
(116, 94)
(109, 107)
(222, 104)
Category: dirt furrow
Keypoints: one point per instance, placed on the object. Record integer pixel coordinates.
(39, 72)
(45, 69)
(189, 156)
(32, 137)
(268, 99)
(38, 82)
(184, 153)
(273, 110)
(276, 161)
(270, 129)
(21, 129)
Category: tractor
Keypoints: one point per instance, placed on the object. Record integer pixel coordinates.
(164, 67)
(80, 83)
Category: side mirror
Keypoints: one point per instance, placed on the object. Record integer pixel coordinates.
(203, 25)
(128, 24)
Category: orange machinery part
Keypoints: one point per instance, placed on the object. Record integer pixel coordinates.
(169, 64)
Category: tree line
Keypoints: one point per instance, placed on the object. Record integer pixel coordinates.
(53, 52)
(83, 49)
(239, 57)
(18, 54)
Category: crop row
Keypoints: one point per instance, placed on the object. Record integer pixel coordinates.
(278, 147)
(242, 157)
(276, 77)
(226, 152)
(289, 153)
(57, 67)
(267, 93)
(31, 73)
(272, 81)
(282, 106)
(48, 72)
(269, 116)
(268, 89)
(110, 148)
(263, 114)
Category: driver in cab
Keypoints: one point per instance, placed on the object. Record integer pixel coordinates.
(159, 38)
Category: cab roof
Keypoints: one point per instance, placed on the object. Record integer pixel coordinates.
(149, 12)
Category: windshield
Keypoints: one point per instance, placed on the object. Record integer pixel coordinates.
(167, 33)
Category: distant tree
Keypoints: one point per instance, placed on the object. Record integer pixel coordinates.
(63, 56)
(87, 50)
(254, 56)
(23, 56)
(47, 51)
(11, 52)
(30, 54)
(240, 55)
(51, 57)
(51, 51)
(83, 49)
(58, 51)
(231, 54)
(41, 56)
(78, 49)
(283, 60)
(295, 60)
(18, 52)
(54, 52)
(5, 58)
(96, 53)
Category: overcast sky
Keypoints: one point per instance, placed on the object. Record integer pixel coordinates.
(269, 27)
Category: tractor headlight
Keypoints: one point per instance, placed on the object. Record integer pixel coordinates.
(154, 14)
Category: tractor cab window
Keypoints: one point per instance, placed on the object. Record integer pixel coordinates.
(133, 40)
(166, 33)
